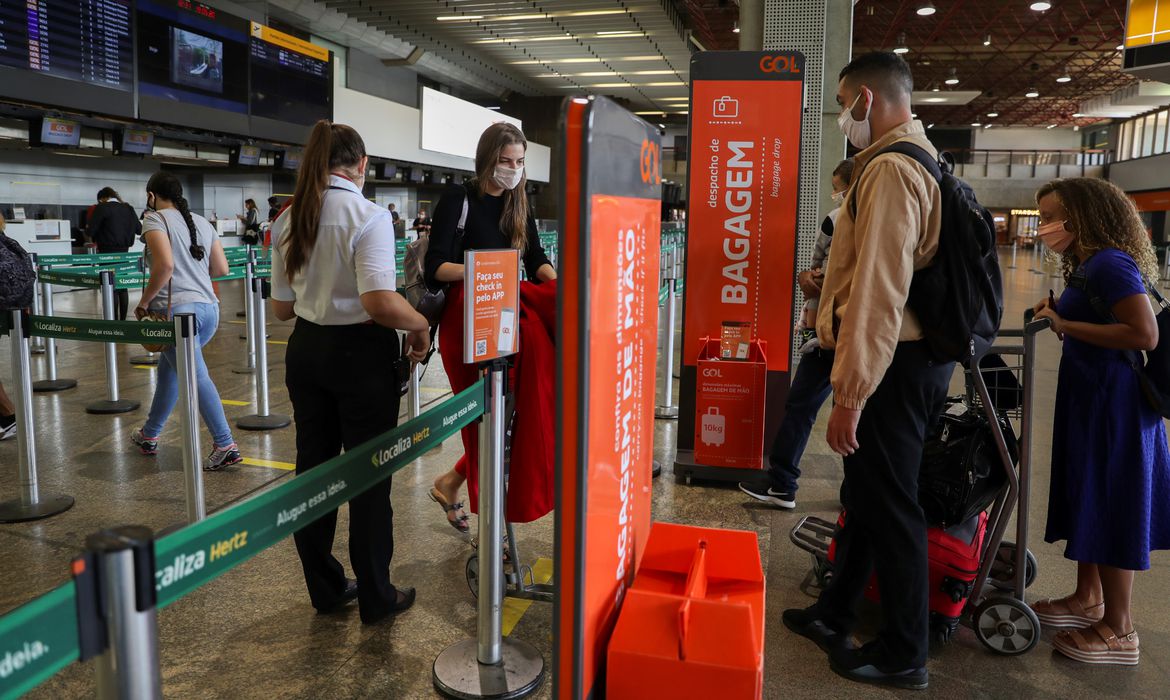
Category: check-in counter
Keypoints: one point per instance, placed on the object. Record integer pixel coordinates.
(43, 237)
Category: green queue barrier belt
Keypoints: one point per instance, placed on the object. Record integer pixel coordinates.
(70, 279)
(39, 638)
(94, 259)
(132, 332)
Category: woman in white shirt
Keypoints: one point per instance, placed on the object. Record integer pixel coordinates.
(333, 270)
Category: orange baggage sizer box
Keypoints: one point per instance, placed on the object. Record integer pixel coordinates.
(692, 624)
(730, 403)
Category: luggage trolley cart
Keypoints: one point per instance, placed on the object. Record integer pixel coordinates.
(519, 578)
(1002, 389)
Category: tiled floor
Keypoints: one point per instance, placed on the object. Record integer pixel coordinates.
(252, 633)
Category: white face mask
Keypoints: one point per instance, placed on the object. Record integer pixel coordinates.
(507, 177)
(838, 197)
(856, 131)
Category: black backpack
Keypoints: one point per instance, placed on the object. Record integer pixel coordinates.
(1153, 370)
(958, 299)
(17, 277)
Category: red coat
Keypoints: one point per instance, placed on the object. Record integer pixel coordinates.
(530, 480)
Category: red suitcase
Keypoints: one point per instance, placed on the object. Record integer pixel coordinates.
(954, 556)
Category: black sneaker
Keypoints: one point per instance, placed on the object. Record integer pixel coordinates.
(7, 427)
(807, 623)
(762, 491)
(868, 665)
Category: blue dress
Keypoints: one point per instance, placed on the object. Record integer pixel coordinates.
(1110, 495)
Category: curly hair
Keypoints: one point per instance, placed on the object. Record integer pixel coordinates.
(1101, 216)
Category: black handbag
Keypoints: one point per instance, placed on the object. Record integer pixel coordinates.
(962, 471)
(429, 302)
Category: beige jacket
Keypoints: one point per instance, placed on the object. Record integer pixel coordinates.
(863, 312)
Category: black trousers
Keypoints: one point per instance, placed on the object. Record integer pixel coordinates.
(344, 392)
(885, 529)
(121, 296)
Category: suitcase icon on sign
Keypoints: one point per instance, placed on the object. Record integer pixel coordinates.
(725, 107)
(713, 424)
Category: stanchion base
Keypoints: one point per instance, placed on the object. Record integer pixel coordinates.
(54, 385)
(103, 408)
(244, 336)
(656, 470)
(243, 370)
(37, 350)
(457, 672)
(272, 421)
(16, 512)
(666, 412)
(144, 359)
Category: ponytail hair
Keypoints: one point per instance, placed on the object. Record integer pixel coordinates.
(331, 147)
(166, 186)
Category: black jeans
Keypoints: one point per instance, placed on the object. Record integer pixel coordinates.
(343, 393)
(810, 387)
(884, 526)
(121, 296)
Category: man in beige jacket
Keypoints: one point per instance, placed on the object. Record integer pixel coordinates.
(886, 386)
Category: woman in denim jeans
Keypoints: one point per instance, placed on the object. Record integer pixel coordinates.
(181, 269)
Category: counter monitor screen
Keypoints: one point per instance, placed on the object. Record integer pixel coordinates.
(136, 141)
(50, 131)
(290, 159)
(248, 155)
(292, 79)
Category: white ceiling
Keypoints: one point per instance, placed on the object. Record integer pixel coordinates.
(630, 49)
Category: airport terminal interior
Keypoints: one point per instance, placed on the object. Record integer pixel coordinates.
(222, 95)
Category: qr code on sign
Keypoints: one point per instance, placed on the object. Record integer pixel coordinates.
(480, 348)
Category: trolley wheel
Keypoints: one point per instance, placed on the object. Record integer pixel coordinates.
(1006, 626)
(1003, 569)
(472, 571)
(822, 571)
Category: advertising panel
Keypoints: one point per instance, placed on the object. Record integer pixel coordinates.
(491, 321)
(745, 128)
(605, 379)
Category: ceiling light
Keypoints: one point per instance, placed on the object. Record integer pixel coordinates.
(1065, 78)
(1032, 92)
(671, 83)
(661, 125)
(1121, 47)
(495, 107)
(643, 114)
(913, 115)
(930, 126)
(610, 85)
(512, 18)
(993, 115)
(458, 18)
(581, 100)
(976, 124)
(926, 10)
(1040, 6)
(935, 88)
(900, 47)
(988, 126)
(650, 72)
(953, 79)
(987, 40)
(935, 99)
(1076, 128)
(1078, 115)
(596, 74)
(1050, 126)
(735, 29)
(619, 33)
(588, 13)
(639, 58)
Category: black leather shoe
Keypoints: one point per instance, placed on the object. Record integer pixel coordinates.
(405, 600)
(868, 665)
(348, 596)
(807, 623)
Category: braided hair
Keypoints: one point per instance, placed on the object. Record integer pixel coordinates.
(166, 186)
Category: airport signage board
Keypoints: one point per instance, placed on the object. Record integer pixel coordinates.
(491, 308)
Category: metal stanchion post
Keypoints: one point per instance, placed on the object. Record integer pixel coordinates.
(1013, 265)
(667, 410)
(52, 383)
(113, 404)
(185, 342)
(37, 346)
(123, 562)
(490, 666)
(31, 505)
(414, 393)
(262, 419)
(249, 365)
(247, 291)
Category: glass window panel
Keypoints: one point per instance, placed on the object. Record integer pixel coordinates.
(1148, 136)
(1135, 147)
(1160, 132)
(1123, 146)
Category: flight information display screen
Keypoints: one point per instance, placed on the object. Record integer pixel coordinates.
(292, 79)
(84, 40)
(193, 54)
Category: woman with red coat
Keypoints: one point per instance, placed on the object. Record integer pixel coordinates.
(497, 217)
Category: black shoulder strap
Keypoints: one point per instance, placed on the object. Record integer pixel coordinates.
(1079, 280)
(905, 148)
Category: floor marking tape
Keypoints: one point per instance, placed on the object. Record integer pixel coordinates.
(278, 342)
(144, 366)
(286, 466)
(233, 402)
(514, 608)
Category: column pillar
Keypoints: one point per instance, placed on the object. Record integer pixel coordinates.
(751, 25)
(823, 31)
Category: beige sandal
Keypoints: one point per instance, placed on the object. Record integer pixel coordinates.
(1102, 646)
(459, 521)
(1067, 613)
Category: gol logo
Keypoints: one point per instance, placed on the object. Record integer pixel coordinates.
(779, 64)
(710, 372)
(649, 161)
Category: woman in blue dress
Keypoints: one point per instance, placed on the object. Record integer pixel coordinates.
(1110, 493)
